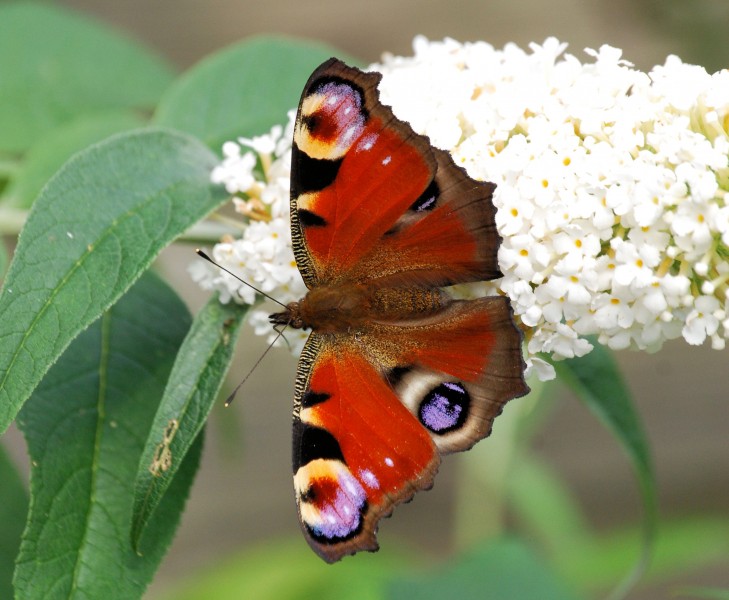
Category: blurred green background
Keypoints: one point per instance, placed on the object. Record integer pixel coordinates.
(243, 494)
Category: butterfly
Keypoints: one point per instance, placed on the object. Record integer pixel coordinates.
(395, 372)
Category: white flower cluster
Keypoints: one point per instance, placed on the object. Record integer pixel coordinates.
(611, 189)
(258, 179)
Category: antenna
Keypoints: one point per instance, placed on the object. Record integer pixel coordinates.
(279, 332)
(230, 398)
(222, 268)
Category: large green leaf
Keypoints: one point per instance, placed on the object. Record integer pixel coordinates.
(56, 65)
(96, 227)
(596, 379)
(503, 568)
(85, 426)
(193, 387)
(47, 155)
(13, 510)
(243, 90)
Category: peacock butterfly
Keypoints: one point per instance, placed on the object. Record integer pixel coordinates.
(395, 372)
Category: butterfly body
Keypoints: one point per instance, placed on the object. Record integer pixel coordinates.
(351, 308)
(395, 372)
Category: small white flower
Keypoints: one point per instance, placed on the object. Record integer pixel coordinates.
(701, 321)
(514, 213)
(612, 313)
(634, 264)
(263, 144)
(543, 370)
(236, 170)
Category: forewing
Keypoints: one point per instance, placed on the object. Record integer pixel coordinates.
(371, 199)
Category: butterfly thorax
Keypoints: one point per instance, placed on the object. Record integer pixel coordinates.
(350, 307)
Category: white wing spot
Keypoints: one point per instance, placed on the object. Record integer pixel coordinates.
(386, 160)
(369, 478)
(367, 142)
(389, 462)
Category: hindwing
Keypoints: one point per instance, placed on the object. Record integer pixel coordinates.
(373, 413)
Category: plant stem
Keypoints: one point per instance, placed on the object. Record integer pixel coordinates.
(481, 492)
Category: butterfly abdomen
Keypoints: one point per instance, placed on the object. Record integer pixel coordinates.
(398, 304)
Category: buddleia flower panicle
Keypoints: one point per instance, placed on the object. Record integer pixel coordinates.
(256, 173)
(611, 190)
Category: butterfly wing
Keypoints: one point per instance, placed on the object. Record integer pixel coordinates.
(372, 200)
(357, 450)
(373, 413)
(454, 370)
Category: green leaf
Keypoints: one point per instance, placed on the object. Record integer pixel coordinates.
(85, 426)
(54, 149)
(597, 381)
(13, 510)
(289, 570)
(56, 65)
(193, 387)
(96, 227)
(503, 568)
(243, 90)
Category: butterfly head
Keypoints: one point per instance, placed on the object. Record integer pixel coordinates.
(290, 317)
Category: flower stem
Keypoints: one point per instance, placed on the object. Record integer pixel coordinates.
(483, 482)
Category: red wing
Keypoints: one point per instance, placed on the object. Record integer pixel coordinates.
(455, 370)
(357, 450)
(372, 412)
(371, 199)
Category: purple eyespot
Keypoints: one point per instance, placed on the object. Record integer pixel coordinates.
(445, 407)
